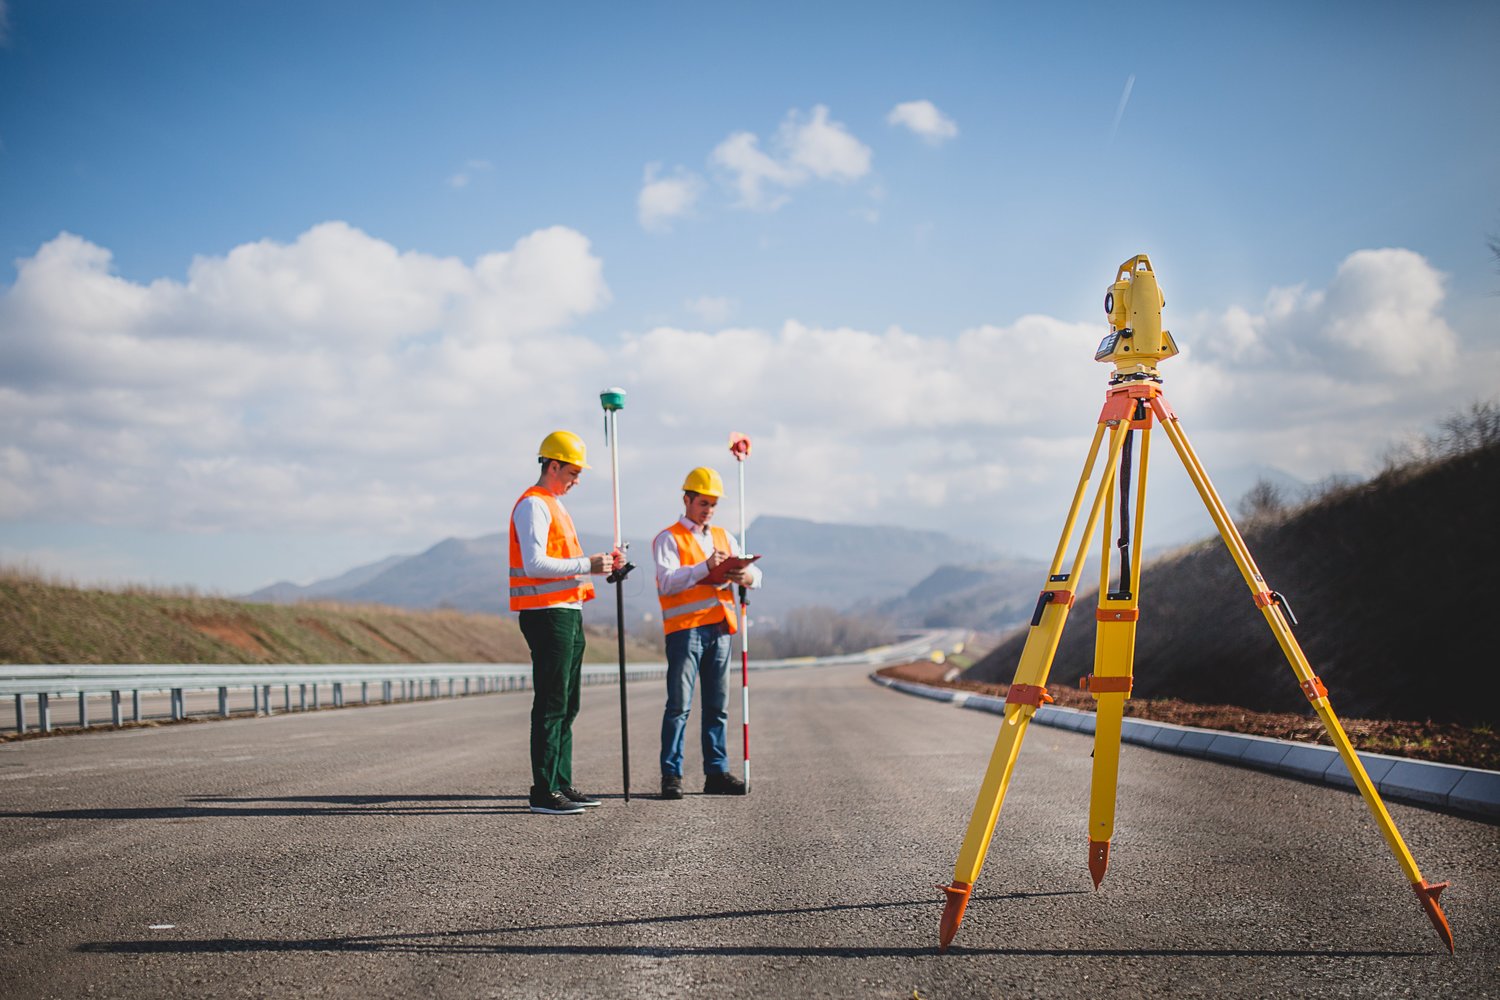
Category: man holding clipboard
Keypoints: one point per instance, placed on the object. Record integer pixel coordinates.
(697, 567)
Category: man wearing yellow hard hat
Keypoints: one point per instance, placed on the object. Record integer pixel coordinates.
(696, 566)
(549, 581)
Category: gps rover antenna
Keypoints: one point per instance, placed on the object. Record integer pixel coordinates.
(613, 400)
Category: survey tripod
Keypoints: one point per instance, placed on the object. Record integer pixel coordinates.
(1133, 403)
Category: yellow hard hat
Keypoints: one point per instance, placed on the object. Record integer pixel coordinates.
(564, 446)
(703, 480)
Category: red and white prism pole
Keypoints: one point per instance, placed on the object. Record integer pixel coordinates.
(739, 446)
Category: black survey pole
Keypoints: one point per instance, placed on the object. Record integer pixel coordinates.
(613, 400)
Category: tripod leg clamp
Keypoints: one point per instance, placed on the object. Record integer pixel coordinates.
(1094, 684)
(1314, 689)
(1034, 695)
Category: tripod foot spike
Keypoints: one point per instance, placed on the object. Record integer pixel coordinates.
(953, 912)
(1098, 860)
(1428, 895)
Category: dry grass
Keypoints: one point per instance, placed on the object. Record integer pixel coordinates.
(1444, 743)
(46, 620)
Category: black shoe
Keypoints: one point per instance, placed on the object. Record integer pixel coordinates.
(723, 784)
(671, 786)
(554, 804)
(576, 797)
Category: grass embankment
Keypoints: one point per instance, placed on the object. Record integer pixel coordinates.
(48, 622)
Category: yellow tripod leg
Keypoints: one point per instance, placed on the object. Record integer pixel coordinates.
(1270, 604)
(1027, 691)
(1114, 658)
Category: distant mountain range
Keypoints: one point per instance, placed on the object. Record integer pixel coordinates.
(845, 567)
(907, 577)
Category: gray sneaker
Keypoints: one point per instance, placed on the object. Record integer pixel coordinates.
(578, 798)
(554, 804)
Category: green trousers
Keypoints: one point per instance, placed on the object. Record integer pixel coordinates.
(555, 636)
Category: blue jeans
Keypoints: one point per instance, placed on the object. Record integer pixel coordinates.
(691, 653)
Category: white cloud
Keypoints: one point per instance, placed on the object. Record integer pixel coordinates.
(823, 148)
(331, 382)
(752, 170)
(335, 384)
(663, 199)
(710, 309)
(1380, 316)
(462, 178)
(807, 147)
(924, 118)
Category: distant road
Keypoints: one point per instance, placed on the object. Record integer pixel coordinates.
(388, 852)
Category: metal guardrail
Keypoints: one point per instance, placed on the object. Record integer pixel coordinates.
(37, 685)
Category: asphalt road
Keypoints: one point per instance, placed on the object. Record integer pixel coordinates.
(387, 851)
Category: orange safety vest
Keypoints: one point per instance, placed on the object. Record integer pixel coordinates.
(528, 593)
(702, 603)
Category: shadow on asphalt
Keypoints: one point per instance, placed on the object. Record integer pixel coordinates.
(314, 805)
(451, 943)
(322, 805)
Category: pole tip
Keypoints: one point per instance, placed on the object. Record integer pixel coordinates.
(612, 398)
(739, 446)
(1098, 860)
(1428, 894)
(953, 912)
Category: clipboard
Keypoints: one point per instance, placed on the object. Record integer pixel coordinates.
(721, 572)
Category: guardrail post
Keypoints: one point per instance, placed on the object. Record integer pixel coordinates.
(255, 698)
(44, 712)
(286, 697)
(338, 694)
(314, 687)
(135, 705)
(224, 702)
(114, 709)
(302, 697)
(385, 691)
(179, 704)
(266, 699)
(364, 692)
(20, 713)
(83, 710)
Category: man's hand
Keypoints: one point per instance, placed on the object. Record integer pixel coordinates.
(739, 576)
(714, 558)
(607, 562)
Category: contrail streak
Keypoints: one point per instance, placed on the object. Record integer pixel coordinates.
(1120, 111)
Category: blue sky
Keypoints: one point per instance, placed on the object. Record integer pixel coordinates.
(292, 286)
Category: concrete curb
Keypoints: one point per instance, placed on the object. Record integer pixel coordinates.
(1462, 789)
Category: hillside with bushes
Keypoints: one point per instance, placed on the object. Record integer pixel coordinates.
(1392, 580)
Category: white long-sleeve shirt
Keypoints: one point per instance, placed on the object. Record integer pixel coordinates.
(672, 577)
(533, 521)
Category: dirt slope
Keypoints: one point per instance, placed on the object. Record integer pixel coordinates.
(1394, 582)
